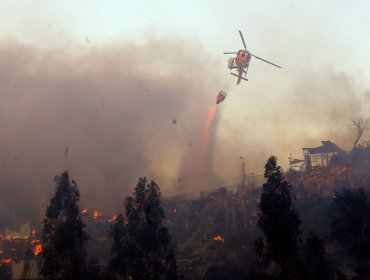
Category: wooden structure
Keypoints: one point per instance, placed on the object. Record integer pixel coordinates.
(320, 156)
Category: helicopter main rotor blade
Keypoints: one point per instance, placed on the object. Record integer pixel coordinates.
(266, 61)
(230, 52)
(241, 35)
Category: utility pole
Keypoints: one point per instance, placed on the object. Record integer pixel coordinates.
(244, 200)
(243, 172)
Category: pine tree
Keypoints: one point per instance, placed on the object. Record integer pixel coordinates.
(141, 248)
(118, 234)
(277, 218)
(63, 236)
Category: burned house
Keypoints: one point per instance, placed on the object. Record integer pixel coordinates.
(20, 253)
(320, 156)
(219, 211)
(218, 224)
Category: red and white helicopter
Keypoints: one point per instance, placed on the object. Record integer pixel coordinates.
(241, 61)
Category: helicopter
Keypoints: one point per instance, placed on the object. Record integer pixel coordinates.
(241, 61)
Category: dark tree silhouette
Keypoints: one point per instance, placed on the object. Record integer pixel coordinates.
(94, 269)
(314, 253)
(119, 248)
(63, 236)
(141, 248)
(5, 271)
(277, 219)
(350, 225)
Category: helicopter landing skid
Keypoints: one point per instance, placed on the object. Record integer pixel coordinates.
(239, 77)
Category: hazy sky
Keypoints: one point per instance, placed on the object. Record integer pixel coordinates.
(95, 86)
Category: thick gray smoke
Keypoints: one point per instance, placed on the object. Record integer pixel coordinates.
(290, 112)
(109, 115)
(114, 113)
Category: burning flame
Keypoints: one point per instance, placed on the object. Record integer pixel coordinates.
(84, 211)
(17, 246)
(219, 238)
(97, 214)
(113, 218)
(37, 250)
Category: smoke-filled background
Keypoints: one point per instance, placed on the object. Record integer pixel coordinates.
(113, 92)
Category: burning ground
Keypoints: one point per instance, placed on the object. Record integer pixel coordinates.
(214, 233)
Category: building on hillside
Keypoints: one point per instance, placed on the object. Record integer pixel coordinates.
(320, 156)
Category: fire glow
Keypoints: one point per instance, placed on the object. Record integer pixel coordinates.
(219, 238)
(18, 248)
(113, 218)
(37, 250)
(97, 214)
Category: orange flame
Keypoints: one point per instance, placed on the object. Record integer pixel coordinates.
(97, 214)
(84, 211)
(219, 238)
(7, 260)
(113, 218)
(33, 232)
(37, 250)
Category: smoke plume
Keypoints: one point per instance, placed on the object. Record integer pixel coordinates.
(111, 114)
